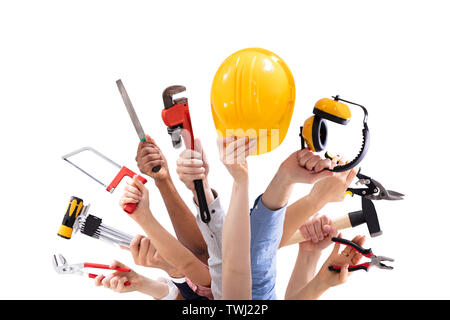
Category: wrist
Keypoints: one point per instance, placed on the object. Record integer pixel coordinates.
(283, 177)
(319, 285)
(163, 182)
(143, 218)
(315, 202)
(174, 273)
(278, 192)
(309, 254)
(209, 195)
(138, 282)
(241, 183)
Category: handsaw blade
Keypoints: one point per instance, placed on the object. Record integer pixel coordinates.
(130, 109)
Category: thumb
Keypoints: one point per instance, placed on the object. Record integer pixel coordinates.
(138, 184)
(335, 251)
(351, 175)
(150, 140)
(199, 148)
(117, 264)
(323, 174)
(198, 145)
(186, 135)
(343, 275)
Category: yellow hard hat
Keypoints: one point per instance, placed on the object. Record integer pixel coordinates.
(253, 94)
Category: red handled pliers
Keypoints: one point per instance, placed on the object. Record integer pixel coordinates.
(374, 260)
(61, 266)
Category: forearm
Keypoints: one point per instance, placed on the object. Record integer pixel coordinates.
(297, 214)
(312, 291)
(174, 252)
(183, 220)
(236, 266)
(154, 288)
(303, 272)
(278, 191)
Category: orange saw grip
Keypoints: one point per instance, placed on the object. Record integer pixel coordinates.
(125, 172)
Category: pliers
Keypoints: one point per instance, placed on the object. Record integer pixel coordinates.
(374, 189)
(61, 266)
(375, 261)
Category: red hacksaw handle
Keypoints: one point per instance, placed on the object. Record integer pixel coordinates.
(125, 172)
(93, 276)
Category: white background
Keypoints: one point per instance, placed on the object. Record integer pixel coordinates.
(58, 64)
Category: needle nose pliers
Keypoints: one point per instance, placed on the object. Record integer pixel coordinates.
(375, 261)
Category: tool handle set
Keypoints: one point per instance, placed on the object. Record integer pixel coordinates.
(92, 226)
(119, 242)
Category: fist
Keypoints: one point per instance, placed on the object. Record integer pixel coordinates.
(148, 157)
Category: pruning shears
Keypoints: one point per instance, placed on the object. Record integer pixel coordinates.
(374, 190)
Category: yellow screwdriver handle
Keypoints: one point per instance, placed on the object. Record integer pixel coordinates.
(73, 211)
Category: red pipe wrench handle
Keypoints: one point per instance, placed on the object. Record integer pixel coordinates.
(93, 276)
(104, 266)
(125, 172)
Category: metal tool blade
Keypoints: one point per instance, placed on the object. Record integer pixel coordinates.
(59, 262)
(66, 158)
(130, 109)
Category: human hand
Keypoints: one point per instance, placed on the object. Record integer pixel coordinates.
(145, 254)
(116, 280)
(332, 189)
(303, 166)
(233, 153)
(348, 256)
(136, 192)
(193, 165)
(149, 156)
(317, 232)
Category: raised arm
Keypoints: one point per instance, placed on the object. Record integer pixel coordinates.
(325, 278)
(318, 233)
(268, 213)
(330, 189)
(236, 272)
(116, 282)
(168, 246)
(150, 155)
(193, 165)
(300, 167)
